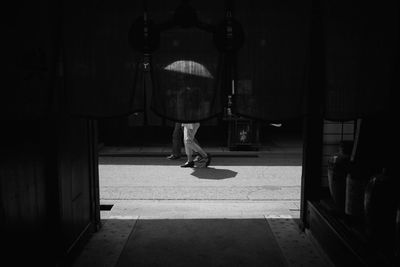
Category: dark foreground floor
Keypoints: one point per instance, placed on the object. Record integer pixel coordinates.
(201, 242)
(269, 241)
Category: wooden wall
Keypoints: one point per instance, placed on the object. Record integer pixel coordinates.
(47, 189)
(75, 182)
(47, 161)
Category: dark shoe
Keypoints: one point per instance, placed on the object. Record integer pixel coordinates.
(173, 157)
(208, 160)
(188, 165)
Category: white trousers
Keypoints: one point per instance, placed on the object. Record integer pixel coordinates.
(189, 132)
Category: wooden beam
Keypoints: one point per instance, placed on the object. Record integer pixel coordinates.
(313, 120)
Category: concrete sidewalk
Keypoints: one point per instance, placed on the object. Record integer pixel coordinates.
(164, 150)
(278, 144)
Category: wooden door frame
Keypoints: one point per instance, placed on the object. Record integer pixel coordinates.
(94, 174)
(313, 119)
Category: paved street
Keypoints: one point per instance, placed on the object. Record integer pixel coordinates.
(235, 178)
(140, 181)
(247, 184)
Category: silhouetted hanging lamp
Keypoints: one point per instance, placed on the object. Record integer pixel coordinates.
(143, 34)
(229, 33)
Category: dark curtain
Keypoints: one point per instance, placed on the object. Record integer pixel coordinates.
(101, 69)
(185, 84)
(272, 65)
(105, 77)
(76, 55)
(362, 42)
(29, 59)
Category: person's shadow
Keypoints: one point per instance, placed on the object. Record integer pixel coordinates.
(213, 173)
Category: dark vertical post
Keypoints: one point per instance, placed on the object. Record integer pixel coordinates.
(313, 120)
(94, 174)
(144, 74)
(51, 128)
(146, 61)
(51, 144)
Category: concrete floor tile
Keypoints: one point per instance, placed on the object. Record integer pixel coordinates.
(298, 250)
(106, 245)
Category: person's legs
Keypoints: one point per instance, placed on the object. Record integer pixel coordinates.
(177, 139)
(188, 135)
(191, 145)
(202, 154)
(195, 147)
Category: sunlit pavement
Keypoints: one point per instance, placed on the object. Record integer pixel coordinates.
(230, 186)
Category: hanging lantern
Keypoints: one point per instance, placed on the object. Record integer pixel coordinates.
(229, 34)
(143, 35)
